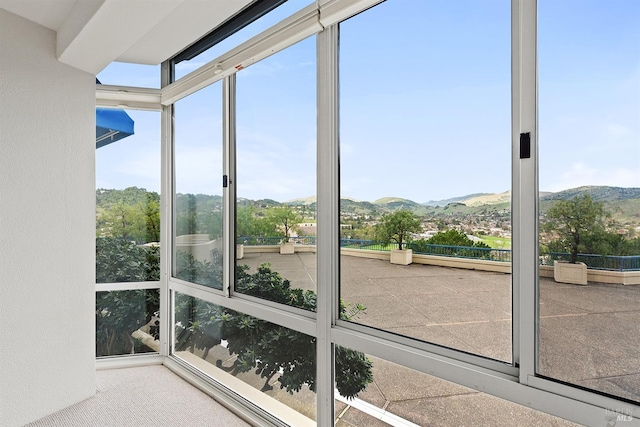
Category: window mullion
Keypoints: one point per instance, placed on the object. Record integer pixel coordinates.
(229, 192)
(525, 184)
(328, 207)
(166, 218)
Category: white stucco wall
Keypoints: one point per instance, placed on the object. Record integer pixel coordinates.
(47, 211)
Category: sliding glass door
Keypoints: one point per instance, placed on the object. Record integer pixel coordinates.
(589, 104)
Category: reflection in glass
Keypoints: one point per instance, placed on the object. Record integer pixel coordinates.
(127, 322)
(230, 346)
(425, 166)
(401, 396)
(276, 164)
(589, 109)
(286, 9)
(198, 198)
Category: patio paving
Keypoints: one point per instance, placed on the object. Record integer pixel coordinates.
(588, 335)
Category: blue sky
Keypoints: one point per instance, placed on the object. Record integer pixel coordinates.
(425, 106)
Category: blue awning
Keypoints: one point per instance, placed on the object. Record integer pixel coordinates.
(111, 125)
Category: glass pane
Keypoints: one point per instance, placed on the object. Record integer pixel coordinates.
(198, 199)
(425, 166)
(127, 322)
(589, 109)
(400, 396)
(253, 29)
(126, 74)
(247, 354)
(276, 179)
(128, 200)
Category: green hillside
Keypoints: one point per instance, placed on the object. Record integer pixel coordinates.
(597, 193)
(623, 203)
(454, 199)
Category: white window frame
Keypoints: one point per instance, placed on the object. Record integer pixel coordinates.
(517, 382)
(145, 99)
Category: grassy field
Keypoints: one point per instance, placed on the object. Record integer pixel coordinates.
(497, 242)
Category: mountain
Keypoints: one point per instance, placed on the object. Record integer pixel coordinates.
(597, 193)
(312, 199)
(489, 199)
(129, 196)
(261, 203)
(622, 202)
(387, 200)
(396, 203)
(476, 199)
(445, 202)
(353, 206)
(302, 201)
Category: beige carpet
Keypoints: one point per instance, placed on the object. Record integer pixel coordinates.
(143, 396)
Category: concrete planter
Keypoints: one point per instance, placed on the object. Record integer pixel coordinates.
(565, 272)
(239, 251)
(401, 256)
(287, 248)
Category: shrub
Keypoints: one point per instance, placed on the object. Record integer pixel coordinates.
(268, 348)
(120, 313)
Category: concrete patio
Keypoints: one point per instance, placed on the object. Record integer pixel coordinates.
(588, 335)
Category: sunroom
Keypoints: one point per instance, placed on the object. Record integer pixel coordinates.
(237, 235)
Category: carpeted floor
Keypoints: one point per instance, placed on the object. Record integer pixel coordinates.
(143, 396)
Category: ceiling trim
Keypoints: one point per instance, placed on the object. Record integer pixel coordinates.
(98, 31)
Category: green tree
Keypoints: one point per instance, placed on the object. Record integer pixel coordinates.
(398, 227)
(454, 237)
(132, 214)
(264, 347)
(268, 348)
(120, 313)
(151, 211)
(575, 222)
(201, 272)
(210, 223)
(186, 215)
(250, 224)
(125, 221)
(610, 243)
(452, 243)
(284, 220)
(245, 217)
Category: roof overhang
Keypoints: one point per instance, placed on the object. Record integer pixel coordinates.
(93, 33)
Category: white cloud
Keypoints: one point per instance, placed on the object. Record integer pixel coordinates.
(616, 130)
(581, 174)
(278, 175)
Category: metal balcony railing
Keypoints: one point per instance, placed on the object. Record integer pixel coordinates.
(596, 262)
(274, 240)
(593, 261)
